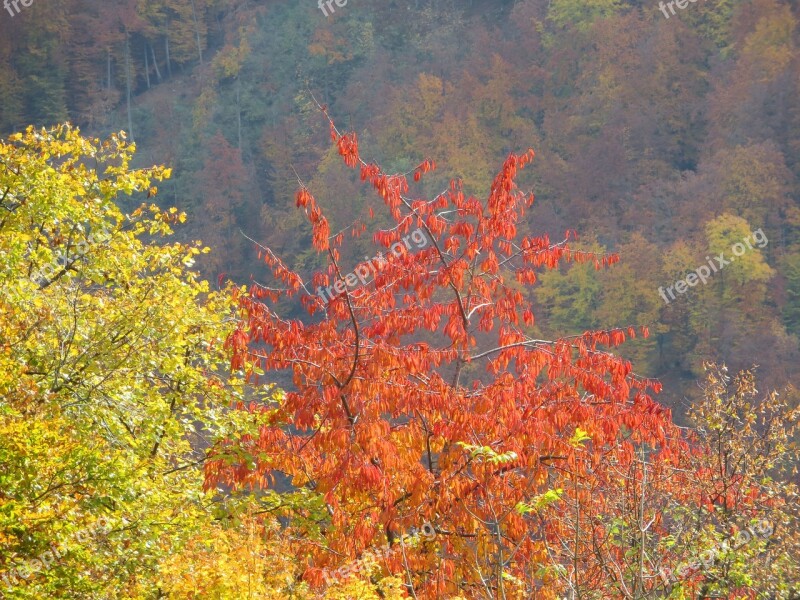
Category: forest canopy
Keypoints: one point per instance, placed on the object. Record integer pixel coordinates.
(399, 299)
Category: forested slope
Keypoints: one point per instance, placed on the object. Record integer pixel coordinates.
(648, 131)
(527, 184)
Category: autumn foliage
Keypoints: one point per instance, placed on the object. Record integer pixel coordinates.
(434, 447)
(422, 397)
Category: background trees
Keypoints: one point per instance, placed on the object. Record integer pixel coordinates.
(643, 125)
(654, 137)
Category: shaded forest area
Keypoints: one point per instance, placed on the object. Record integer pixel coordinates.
(658, 139)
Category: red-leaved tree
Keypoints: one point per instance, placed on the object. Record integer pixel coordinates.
(422, 397)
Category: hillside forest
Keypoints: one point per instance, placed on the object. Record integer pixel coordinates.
(398, 299)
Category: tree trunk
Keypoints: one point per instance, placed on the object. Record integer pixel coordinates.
(197, 34)
(239, 110)
(155, 62)
(128, 84)
(146, 66)
(166, 48)
(108, 67)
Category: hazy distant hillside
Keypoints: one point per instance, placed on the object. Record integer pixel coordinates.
(663, 139)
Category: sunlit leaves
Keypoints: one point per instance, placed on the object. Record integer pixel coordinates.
(540, 502)
(421, 396)
(581, 14)
(111, 363)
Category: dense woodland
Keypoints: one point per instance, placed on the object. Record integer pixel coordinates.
(510, 409)
(651, 134)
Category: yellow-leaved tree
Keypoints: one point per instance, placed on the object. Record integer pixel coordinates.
(114, 386)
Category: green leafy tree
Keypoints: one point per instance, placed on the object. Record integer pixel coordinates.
(791, 310)
(111, 385)
(729, 235)
(581, 13)
(570, 297)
